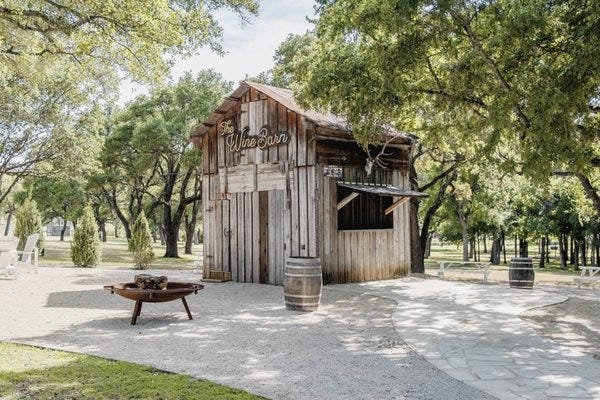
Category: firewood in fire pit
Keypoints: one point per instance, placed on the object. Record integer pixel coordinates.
(145, 281)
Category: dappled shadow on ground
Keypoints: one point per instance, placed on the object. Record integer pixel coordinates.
(574, 324)
(243, 336)
(474, 333)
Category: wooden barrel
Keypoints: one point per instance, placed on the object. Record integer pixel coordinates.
(302, 283)
(521, 273)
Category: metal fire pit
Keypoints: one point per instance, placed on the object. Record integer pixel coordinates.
(174, 291)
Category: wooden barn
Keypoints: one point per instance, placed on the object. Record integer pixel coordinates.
(280, 181)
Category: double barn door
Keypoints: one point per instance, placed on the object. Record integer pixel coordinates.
(251, 245)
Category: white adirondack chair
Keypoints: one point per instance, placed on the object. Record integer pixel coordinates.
(8, 255)
(29, 256)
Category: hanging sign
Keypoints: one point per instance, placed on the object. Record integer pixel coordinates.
(264, 138)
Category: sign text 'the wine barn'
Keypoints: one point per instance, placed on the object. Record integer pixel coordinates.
(237, 140)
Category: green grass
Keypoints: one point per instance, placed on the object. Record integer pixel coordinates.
(33, 373)
(115, 255)
(449, 251)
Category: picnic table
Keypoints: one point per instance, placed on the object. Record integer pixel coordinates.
(589, 275)
(480, 266)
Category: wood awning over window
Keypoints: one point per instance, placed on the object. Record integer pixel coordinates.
(404, 194)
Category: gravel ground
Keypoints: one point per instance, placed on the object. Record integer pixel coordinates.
(242, 336)
(574, 323)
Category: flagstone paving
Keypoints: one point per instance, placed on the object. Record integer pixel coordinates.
(473, 332)
(468, 339)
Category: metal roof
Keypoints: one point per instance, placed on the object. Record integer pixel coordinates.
(286, 98)
(382, 190)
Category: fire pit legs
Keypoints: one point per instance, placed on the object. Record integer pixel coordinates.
(187, 309)
(173, 291)
(137, 309)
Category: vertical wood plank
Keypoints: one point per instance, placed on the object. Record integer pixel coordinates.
(248, 245)
(295, 213)
(273, 153)
(282, 149)
(293, 143)
(271, 235)
(206, 232)
(311, 144)
(218, 236)
(301, 141)
(312, 193)
(341, 264)
(255, 238)
(303, 220)
(332, 225)
(226, 232)
(263, 237)
(233, 240)
(241, 225)
(244, 122)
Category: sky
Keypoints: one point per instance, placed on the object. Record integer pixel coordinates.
(249, 46)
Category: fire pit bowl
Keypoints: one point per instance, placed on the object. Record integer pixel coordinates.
(174, 291)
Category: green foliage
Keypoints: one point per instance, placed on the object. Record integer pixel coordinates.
(516, 74)
(34, 373)
(135, 36)
(148, 158)
(85, 247)
(28, 221)
(141, 242)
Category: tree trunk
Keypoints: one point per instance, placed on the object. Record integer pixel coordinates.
(171, 231)
(63, 231)
(523, 248)
(8, 221)
(102, 226)
(547, 249)
(584, 251)
(161, 235)
(572, 253)
(417, 262)
(428, 246)
(543, 253)
(503, 236)
(495, 253)
(484, 243)
(462, 219)
(562, 247)
(190, 226)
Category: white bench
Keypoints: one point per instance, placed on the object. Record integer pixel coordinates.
(589, 275)
(480, 266)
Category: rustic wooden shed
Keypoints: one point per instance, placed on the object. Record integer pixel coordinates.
(280, 181)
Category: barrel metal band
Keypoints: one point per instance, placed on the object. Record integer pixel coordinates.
(302, 296)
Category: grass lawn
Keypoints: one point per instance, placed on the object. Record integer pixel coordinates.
(551, 274)
(32, 373)
(116, 255)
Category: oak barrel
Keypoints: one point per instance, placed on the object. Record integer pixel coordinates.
(302, 281)
(521, 273)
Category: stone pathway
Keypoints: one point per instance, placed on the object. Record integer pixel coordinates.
(469, 339)
(241, 336)
(473, 332)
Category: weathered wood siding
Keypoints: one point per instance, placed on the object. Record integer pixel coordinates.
(260, 205)
(362, 255)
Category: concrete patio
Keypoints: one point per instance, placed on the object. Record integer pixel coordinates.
(468, 340)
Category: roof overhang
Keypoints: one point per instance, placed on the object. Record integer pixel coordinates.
(402, 194)
(382, 190)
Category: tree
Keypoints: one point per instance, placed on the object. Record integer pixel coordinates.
(141, 242)
(135, 37)
(85, 248)
(150, 153)
(28, 222)
(500, 71)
